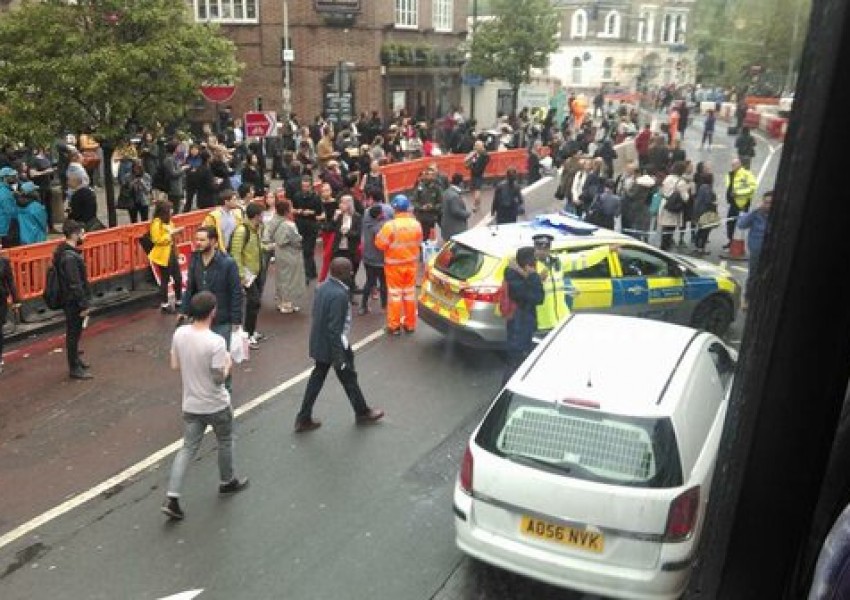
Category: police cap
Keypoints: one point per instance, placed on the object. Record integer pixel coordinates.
(542, 240)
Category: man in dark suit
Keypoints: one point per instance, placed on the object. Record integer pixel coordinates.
(329, 347)
(455, 213)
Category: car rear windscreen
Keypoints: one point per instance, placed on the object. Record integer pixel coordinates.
(458, 261)
(583, 443)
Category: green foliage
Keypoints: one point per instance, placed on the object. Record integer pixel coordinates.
(733, 35)
(103, 63)
(521, 36)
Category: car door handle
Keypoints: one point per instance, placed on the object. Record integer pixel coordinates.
(636, 289)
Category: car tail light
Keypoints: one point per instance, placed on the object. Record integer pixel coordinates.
(484, 293)
(466, 472)
(682, 516)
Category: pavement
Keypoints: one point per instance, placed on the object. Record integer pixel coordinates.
(344, 512)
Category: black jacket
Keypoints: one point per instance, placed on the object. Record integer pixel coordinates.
(330, 312)
(507, 201)
(73, 277)
(353, 235)
(7, 283)
(222, 279)
(307, 225)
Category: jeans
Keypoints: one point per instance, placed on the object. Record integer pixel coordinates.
(374, 276)
(73, 332)
(194, 426)
(348, 379)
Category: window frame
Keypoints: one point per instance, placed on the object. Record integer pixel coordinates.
(578, 24)
(611, 26)
(231, 19)
(442, 13)
(577, 68)
(608, 69)
(406, 14)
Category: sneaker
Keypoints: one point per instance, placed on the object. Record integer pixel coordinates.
(235, 485)
(253, 342)
(166, 309)
(305, 425)
(171, 507)
(260, 337)
(373, 415)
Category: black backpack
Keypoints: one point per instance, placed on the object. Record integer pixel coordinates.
(52, 294)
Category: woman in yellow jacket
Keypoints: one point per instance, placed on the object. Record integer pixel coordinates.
(164, 255)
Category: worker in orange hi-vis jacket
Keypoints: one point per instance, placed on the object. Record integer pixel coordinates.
(400, 240)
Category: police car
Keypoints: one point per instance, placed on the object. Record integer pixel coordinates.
(461, 289)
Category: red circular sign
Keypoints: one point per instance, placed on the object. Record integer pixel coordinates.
(218, 93)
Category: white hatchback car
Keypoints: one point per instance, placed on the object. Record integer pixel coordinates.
(592, 468)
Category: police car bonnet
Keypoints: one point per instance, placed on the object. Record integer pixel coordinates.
(564, 224)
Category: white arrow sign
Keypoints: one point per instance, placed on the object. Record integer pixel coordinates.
(184, 595)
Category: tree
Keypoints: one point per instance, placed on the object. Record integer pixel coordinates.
(104, 66)
(519, 37)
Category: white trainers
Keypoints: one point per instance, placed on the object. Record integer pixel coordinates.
(253, 342)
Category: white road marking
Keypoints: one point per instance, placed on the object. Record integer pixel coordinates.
(156, 457)
(184, 595)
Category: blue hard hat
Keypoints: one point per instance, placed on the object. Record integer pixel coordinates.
(401, 203)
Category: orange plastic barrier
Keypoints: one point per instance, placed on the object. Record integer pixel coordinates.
(116, 252)
(766, 100)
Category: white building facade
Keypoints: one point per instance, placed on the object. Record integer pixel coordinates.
(627, 44)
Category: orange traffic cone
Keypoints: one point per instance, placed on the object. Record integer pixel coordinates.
(737, 248)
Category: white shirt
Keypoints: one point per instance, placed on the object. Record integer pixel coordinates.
(200, 352)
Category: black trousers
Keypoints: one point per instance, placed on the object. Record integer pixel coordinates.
(308, 249)
(73, 332)
(348, 379)
(374, 276)
(191, 194)
(733, 213)
(138, 211)
(4, 312)
(170, 272)
(667, 237)
(252, 306)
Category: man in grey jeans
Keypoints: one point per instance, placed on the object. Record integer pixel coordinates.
(204, 364)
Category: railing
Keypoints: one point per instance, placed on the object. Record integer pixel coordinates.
(115, 252)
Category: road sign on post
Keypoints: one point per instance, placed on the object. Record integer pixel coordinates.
(260, 124)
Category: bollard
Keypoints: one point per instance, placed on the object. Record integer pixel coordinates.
(737, 248)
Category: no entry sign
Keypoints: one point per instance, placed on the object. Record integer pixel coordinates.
(260, 124)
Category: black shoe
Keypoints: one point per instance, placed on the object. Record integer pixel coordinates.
(409, 330)
(305, 425)
(391, 331)
(83, 364)
(235, 485)
(80, 373)
(171, 507)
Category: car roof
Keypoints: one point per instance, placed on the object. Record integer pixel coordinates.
(496, 239)
(622, 363)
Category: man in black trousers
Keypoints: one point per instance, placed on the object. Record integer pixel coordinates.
(330, 347)
(73, 280)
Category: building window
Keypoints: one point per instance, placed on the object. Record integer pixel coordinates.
(578, 27)
(407, 13)
(673, 29)
(577, 70)
(608, 69)
(226, 11)
(443, 10)
(645, 25)
(612, 24)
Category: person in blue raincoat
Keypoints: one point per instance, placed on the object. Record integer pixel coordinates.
(8, 206)
(525, 288)
(32, 216)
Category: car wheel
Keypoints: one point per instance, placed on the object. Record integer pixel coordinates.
(714, 315)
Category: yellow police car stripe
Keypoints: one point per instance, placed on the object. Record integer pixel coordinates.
(595, 293)
(665, 289)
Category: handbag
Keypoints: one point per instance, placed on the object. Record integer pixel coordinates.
(94, 224)
(146, 242)
(709, 220)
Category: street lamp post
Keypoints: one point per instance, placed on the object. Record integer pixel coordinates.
(287, 59)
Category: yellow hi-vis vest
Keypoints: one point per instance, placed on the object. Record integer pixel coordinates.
(554, 307)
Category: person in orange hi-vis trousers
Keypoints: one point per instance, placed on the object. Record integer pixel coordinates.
(400, 240)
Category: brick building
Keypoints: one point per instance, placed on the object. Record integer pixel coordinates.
(392, 54)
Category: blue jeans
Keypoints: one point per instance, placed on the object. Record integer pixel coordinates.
(194, 426)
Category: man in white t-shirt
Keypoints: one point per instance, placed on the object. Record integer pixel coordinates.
(204, 364)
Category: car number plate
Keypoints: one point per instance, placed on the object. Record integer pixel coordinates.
(584, 539)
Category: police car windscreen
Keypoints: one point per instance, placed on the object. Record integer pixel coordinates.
(459, 261)
(584, 443)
